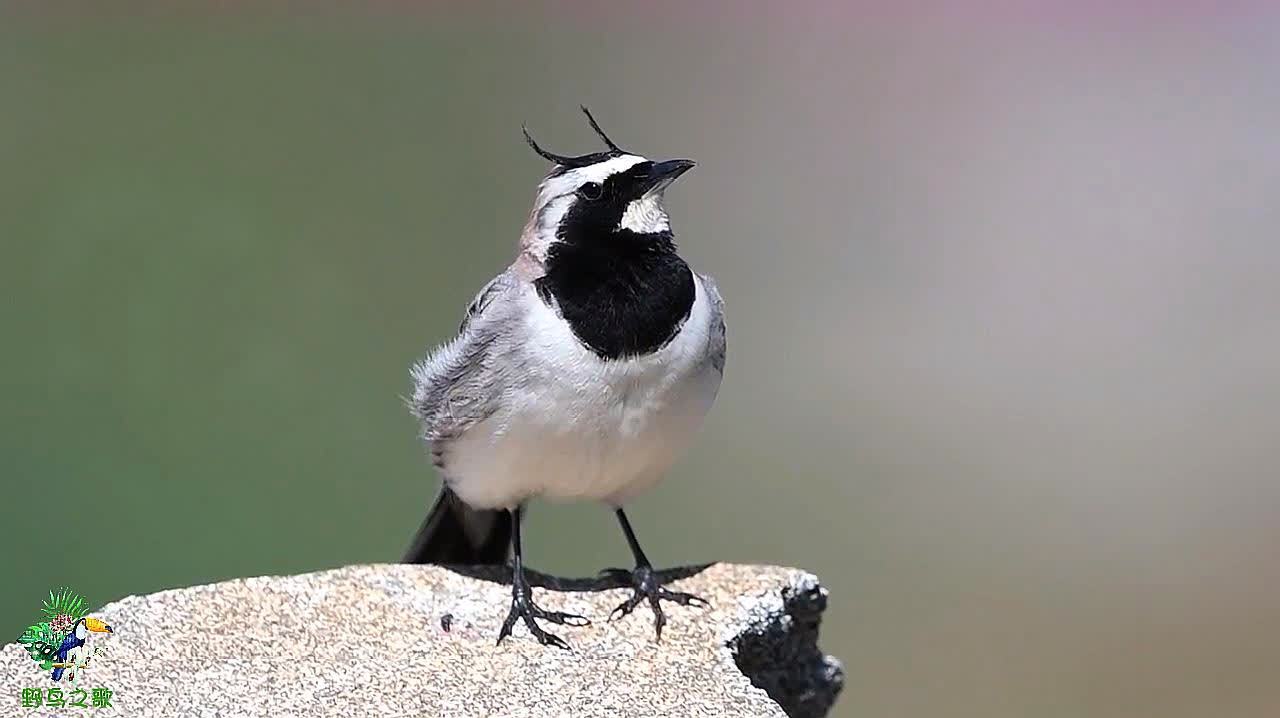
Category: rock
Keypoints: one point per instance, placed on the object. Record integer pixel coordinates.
(371, 641)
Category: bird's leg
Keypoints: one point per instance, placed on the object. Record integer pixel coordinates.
(645, 584)
(522, 605)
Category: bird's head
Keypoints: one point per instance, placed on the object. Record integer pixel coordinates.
(592, 198)
(91, 624)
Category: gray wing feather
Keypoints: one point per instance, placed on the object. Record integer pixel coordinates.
(458, 385)
(492, 288)
(716, 344)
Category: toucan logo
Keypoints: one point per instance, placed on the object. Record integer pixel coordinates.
(68, 639)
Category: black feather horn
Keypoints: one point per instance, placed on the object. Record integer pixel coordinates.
(558, 159)
(596, 126)
(581, 160)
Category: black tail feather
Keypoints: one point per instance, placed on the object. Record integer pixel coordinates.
(454, 533)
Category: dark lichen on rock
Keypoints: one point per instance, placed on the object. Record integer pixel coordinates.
(777, 648)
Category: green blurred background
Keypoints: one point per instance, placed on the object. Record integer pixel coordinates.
(1004, 325)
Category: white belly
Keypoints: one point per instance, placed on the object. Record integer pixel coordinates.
(582, 428)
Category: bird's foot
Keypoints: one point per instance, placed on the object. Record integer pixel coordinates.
(523, 608)
(646, 586)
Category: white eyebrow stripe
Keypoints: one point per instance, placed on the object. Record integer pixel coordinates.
(598, 172)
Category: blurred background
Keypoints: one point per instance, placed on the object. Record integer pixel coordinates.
(1003, 312)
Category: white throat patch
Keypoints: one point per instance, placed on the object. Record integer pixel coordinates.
(645, 215)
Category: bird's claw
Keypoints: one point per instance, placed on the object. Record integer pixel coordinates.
(523, 608)
(626, 607)
(568, 619)
(645, 587)
(684, 599)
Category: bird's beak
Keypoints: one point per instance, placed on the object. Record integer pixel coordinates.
(94, 624)
(664, 173)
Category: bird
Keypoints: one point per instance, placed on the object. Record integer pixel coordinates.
(580, 372)
(71, 648)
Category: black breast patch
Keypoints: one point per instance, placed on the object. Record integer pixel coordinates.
(625, 296)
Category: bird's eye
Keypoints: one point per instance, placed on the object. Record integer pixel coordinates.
(591, 191)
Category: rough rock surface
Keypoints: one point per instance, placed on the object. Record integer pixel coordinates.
(370, 641)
